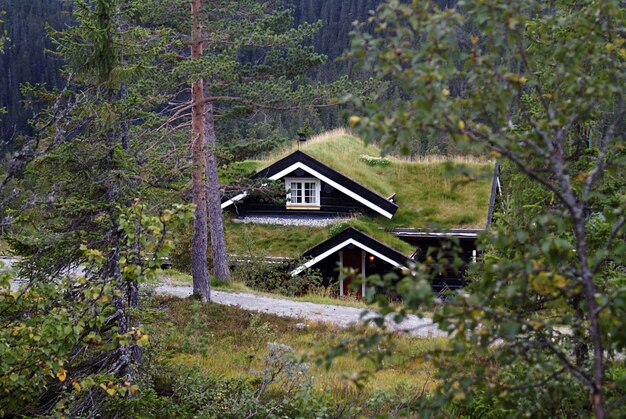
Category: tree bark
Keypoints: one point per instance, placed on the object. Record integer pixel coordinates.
(199, 262)
(597, 397)
(214, 201)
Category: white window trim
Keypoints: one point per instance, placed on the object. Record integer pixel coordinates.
(302, 180)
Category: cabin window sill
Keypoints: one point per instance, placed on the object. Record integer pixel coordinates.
(302, 207)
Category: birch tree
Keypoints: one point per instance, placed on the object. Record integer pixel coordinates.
(539, 85)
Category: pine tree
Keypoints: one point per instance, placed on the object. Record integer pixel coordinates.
(245, 56)
(91, 168)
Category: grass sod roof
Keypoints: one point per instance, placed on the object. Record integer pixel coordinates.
(292, 241)
(428, 192)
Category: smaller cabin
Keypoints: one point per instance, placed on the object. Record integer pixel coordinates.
(355, 255)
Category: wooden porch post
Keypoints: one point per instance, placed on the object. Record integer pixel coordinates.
(363, 273)
(341, 273)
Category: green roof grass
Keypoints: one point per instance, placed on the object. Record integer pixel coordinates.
(248, 239)
(428, 192)
(432, 193)
(271, 240)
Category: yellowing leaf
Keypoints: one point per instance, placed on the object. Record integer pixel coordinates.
(354, 119)
(445, 92)
(461, 125)
(62, 374)
(76, 385)
(560, 281)
(110, 391)
(143, 340)
(459, 395)
(474, 40)
(517, 78)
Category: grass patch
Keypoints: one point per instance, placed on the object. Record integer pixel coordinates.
(172, 275)
(231, 342)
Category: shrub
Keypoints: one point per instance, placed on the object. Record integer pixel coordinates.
(261, 275)
(286, 386)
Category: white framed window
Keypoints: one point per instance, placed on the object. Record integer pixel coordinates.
(303, 192)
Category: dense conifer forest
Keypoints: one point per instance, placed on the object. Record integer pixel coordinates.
(27, 57)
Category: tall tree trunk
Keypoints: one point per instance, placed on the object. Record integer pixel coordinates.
(199, 262)
(214, 201)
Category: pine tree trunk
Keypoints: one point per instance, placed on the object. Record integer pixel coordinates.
(214, 201)
(199, 262)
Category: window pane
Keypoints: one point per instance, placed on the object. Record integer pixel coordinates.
(309, 190)
(296, 192)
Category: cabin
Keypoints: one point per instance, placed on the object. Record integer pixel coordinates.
(351, 213)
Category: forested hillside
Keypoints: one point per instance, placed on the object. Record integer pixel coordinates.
(332, 40)
(25, 58)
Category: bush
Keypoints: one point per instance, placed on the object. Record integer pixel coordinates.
(187, 394)
(536, 401)
(261, 275)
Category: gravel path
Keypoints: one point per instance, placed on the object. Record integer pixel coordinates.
(340, 315)
(291, 220)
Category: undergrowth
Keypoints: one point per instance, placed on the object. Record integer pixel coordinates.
(208, 360)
